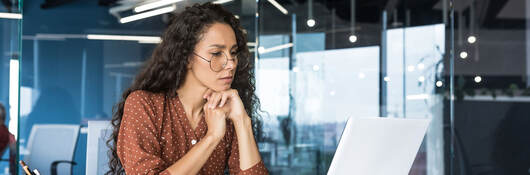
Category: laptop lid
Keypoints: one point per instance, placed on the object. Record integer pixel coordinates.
(378, 146)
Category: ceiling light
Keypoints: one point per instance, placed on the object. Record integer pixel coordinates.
(147, 14)
(251, 44)
(463, 54)
(11, 15)
(141, 39)
(311, 22)
(262, 50)
(478, 79)
(353, 38)
(222, 1)
(471, 39)
(439, 83)
(278, 6)
(154, 5)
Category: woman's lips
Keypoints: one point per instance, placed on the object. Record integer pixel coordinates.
(226, 79)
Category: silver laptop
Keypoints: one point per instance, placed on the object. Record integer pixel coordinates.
(378, 146)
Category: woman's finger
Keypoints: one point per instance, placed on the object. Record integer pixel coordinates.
(207, 93)
(205, 110)
(210, 101)
(211, 98)
(215, 100)
(224, 98)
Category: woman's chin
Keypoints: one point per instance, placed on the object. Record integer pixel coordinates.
(220, 88)
(225, 87)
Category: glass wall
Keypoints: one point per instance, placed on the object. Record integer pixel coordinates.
(10, 48)
(492, 104)
(318, 63)
(322, 62)
(78, 59)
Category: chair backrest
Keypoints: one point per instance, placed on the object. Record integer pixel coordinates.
(97, 151)
(51, 142)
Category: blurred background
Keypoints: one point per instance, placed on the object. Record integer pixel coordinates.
(463, 64)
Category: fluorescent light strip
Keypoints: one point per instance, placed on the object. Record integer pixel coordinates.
(222, 1)
(147, 14)
(13, 94)
(51, 36)
(11, 15)
(275, 48)
(278, 6)
(149, 41)
(251, 44)
(154, 5)
(140, 39)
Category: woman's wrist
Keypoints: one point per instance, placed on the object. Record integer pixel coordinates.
(243, 126)
(242, 121)
(215, 137)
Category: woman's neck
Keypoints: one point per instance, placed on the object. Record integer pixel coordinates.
(190, 94)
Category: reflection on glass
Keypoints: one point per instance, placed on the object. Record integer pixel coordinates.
(420, 60)
(331, 72)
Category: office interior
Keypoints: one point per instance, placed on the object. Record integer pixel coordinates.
(463, 64)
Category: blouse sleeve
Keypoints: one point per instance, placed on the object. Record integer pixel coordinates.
(233, 162)
(138, 148)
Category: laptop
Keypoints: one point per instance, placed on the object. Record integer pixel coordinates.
(378, 146)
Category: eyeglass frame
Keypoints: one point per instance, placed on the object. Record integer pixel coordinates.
(224, 65)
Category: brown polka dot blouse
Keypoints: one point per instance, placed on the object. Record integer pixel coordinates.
(155, 133)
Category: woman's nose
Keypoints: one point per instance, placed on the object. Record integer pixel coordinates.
(230, 63)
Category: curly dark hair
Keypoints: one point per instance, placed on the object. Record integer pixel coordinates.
(165, 70)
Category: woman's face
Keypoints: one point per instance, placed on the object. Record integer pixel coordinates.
(217, 41)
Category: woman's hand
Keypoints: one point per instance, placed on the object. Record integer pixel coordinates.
(216, 121)
(228, 101)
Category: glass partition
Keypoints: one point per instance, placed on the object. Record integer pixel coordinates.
(318, 63)
(79, 58)
(10, 47)
(492, 68)
(322, 62)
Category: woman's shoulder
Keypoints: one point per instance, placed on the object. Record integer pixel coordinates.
(145, 96)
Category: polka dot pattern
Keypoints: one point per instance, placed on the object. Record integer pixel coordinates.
(155, 133)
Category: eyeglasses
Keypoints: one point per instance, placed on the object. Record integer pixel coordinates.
(218, 60)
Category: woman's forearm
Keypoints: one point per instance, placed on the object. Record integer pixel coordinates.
(248, 150)
(193, 161)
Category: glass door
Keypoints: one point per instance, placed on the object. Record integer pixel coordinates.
(10, 50)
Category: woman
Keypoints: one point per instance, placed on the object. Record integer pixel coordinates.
(190, 110)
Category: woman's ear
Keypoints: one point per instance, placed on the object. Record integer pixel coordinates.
(190, 62)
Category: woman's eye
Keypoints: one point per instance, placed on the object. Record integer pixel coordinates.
(216, 53)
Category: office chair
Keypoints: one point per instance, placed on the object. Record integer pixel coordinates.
(51, 145)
